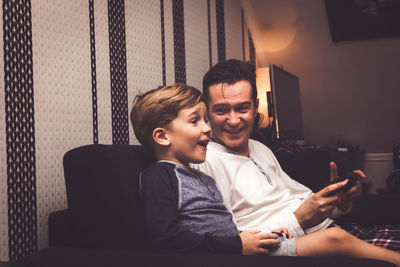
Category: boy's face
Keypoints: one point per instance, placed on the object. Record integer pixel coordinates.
(189, 135)
(232, 112)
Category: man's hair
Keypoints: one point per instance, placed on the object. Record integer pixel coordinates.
(230, 72)
(158, 107)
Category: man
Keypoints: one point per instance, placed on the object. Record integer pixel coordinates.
(255, 188)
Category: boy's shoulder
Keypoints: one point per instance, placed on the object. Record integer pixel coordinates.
(159, 166)
(158, 174)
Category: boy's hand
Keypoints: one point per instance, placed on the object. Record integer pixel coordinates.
(284, 231)
(254, 242)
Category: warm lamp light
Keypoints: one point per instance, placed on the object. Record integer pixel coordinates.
(263, 86)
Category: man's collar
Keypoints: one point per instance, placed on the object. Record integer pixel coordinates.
(219, 147)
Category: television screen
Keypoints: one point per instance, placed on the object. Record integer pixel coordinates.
(286, 104)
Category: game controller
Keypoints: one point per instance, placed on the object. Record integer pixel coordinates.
(281, 236)
(353, 178)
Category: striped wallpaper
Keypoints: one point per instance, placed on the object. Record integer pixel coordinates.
(70, 72)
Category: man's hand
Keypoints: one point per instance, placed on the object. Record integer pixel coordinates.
(346, 198)
(254, 242)
(318, 207)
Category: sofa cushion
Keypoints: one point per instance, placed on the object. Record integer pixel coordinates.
(102, 183)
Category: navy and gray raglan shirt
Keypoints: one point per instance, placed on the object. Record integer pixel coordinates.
(184, 211)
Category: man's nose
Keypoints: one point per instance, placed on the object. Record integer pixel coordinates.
(233, 118)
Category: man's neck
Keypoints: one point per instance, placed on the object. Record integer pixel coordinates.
(242, 151)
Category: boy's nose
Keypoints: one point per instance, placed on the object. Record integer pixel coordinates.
(206, 128)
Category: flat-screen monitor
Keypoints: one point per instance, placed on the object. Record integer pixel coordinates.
(286, 104)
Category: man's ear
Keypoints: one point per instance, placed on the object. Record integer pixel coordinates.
(160, 137)
(256, 106)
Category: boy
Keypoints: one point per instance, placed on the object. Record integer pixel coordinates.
(184, 210)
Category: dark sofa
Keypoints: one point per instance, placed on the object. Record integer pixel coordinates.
(103, 225)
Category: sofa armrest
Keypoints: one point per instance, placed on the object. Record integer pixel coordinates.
(374, 210)
(60, 229)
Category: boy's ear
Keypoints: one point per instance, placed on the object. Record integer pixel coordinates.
(160, 136)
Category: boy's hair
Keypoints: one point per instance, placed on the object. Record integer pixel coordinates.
(158, 107)
(230, 72)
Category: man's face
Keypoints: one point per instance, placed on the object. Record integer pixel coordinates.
(232, 113)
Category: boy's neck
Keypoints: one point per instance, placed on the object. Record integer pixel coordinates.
(165, 154)
(173, 162)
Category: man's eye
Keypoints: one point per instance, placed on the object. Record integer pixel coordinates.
(220, 111)
(243, 110)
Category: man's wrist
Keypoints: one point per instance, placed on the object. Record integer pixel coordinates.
(300, 220)
(345, 206)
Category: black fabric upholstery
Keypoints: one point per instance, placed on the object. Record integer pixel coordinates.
(72, 257)
(374, 210)
(103, 225)
(60, 228)
(103, 195)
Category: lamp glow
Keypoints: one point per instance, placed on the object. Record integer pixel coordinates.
(263, 86)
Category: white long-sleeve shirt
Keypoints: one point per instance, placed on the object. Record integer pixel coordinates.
(256, 190)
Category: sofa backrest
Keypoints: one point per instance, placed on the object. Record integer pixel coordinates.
(102, 183)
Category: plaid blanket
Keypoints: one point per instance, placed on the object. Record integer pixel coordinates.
(387, 236)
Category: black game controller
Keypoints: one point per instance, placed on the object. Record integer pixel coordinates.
(281, 236)
(353, 178)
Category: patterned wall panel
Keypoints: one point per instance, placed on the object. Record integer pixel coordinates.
(103, 72)
(196, 42)
(20, 129)
(162, 21)
(214, 39)
(179, 40)
(220, 9)
(63, 96)
(63, 100)
(209, 33)
(246, 42)
(233, 32)
(169, 42)
(143, 48)
(93, 71)
(118, 71)
(243, 36)
(252, 51)
(3, 164)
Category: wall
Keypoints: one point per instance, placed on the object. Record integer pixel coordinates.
(349, 89)
(62, 85)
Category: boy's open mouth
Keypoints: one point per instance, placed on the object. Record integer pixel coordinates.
(203, 143)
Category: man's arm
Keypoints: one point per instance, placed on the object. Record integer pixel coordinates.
(319, 207)
(346, 198)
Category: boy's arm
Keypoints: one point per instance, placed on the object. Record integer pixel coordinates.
(159, 195)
